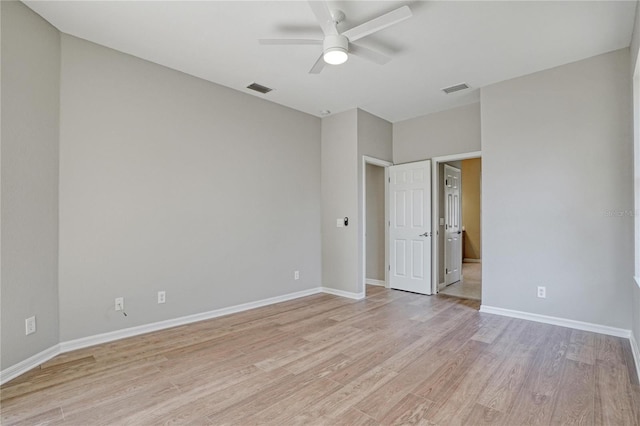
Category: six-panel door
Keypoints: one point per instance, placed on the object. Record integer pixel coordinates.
(410, 227)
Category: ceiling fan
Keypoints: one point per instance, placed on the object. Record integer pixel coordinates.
(337, 46)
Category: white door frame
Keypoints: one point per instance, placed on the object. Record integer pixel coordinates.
(636, 166)
(363, 237)
(435, 209)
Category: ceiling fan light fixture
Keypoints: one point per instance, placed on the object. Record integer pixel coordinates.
(335, 48)
(335, 56)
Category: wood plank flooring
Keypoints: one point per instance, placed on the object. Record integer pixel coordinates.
(392, 358)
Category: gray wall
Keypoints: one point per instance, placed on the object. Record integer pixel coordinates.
(557, 157)
(635, 48)
(635, 39)
(30, 146)
(340, 199)
(346, 137)
(375, 263)
(169, 182)
(375, 137)
(453, 131)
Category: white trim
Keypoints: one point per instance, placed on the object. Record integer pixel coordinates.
(376, 161)
(637, 280)
(456, 157)
(22, 367)
(562, 322)
(636, 353)
(468, 260)
(342, 293)
(84, 342)
(161, 325)
(387, 251)
(371, 281)
(363, 218)
(32, 362)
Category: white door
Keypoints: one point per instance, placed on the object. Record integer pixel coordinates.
(452, 226)
(410, 227)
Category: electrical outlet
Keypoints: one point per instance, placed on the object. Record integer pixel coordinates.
(119, 303)
(542, 292)
(30, 325)
(162, 297)
(296, 275)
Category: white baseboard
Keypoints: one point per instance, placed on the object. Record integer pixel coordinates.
(97, 339)
(30, 363)
(342, 293)
(636, 354)
(371, 281)
(467, 260)
(84, 342)
(22, 367)
(563, 322)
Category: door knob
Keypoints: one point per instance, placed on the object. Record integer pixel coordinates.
(426, 234)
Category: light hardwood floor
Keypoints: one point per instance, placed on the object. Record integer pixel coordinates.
(393, 358)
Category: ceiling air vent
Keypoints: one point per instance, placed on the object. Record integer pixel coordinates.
(259, 88)
(455, 88)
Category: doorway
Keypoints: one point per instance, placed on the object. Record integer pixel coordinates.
(374, 226)
(374, 233)
(457, 265)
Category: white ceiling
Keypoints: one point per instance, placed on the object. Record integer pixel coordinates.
(444, 43)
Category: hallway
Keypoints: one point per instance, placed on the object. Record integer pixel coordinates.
(470, 286)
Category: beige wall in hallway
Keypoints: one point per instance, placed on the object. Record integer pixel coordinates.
(471, 172)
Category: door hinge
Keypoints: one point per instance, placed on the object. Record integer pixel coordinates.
(446, 271)
(389, 267)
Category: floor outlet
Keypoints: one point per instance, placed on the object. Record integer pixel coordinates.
(119, 303)
(542, 292)
(30, 325)
(162, 297)
(296, 275)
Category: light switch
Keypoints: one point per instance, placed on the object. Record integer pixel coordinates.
(442, 221)
(340, 222)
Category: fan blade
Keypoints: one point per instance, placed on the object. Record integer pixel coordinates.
(372, 55)
(379, 23)
(318, 66)
(285, 41)
(323, 15)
